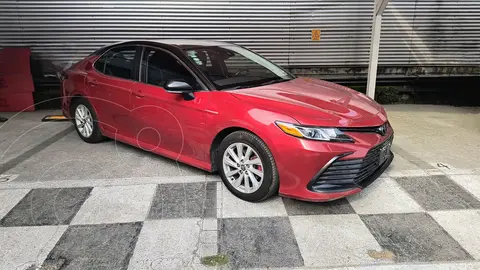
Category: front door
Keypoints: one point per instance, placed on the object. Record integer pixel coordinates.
(110, 83)
(166, 122)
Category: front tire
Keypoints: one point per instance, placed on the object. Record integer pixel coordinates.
(247, 167)
(86, 122)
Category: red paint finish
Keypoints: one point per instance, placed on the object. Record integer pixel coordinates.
(148, 117)
(112, 101)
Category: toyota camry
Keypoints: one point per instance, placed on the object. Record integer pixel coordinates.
(223, 108)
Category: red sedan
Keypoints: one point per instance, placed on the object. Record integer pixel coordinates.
(220, 107)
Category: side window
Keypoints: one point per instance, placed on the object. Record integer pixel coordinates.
(118, 62)
(159, 66)
(100, 64)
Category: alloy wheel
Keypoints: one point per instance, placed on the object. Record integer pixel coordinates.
(243, 167)
(84, 120)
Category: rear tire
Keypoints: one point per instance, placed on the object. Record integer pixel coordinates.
(86, 121)
(247, 167)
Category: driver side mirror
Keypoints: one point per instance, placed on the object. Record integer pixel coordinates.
(180, 87)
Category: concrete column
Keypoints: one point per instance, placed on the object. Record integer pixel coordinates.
(380, 6)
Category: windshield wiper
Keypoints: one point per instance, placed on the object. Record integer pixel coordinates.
(256, 85)
(235, 87)
(274, 81)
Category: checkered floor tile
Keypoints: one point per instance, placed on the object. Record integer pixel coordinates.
(414, 237)
(401, 220)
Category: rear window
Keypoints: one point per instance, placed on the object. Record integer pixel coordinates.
(117, 62)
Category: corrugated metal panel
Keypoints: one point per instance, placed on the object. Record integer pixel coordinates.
(431, 33)
(414, 32)
(345, 32)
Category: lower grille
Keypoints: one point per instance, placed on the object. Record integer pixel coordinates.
(345, 174)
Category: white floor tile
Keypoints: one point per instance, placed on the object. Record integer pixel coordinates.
(334, 240)
(450, 170)
(463, 226)
(469, 182)
(233, 207)
(22, 247)
(166, 244)
(116, 204)
(9, 198)
(383, 196)
(417, 266)
(407, 173)
(401, 164)
(209, 224)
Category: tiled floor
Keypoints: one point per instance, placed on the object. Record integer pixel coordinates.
(166, 244)
(46, 207)
(416, 219)
(463, 226)
(333, 240)
(101, 246)
(22, 247)
(469, 182)
(232, 207)
(438, 193)
(257, 242)
(383, 196)
(414, 237)
(9, 198)
(187, 200)
(299, 208)
(116, 204)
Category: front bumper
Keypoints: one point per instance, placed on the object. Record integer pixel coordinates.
(341, 175)
(344, 174)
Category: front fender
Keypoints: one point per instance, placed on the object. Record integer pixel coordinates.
(258, 121)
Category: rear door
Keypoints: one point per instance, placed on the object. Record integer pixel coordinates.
(110, 83)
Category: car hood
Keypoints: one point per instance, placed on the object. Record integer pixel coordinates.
(316, 102)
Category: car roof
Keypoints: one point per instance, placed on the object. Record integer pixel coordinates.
(176, 43)
(196, 42)
(179, 42)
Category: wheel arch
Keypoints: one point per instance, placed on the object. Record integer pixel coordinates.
(73, 99)
(76, 97)
(219, 138)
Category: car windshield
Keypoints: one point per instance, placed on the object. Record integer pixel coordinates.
(233, 67)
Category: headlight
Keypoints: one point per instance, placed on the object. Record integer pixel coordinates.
(314, 133)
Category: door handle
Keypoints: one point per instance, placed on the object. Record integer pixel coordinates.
(139, 94)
